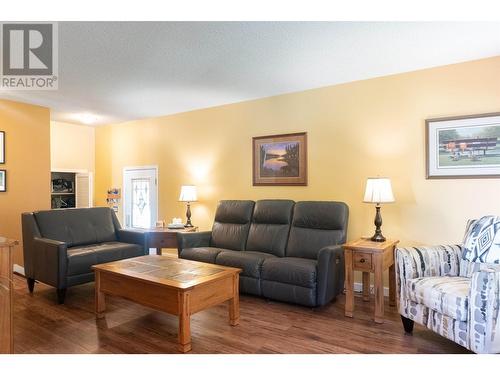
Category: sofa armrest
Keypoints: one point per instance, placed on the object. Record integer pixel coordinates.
(483, 319)
(330, 273)
(424, 261)
(137, 237)
(50, 262)
(187, 240)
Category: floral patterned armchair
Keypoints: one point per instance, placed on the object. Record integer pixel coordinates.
(455, 290)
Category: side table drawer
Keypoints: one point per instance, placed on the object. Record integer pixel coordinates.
(162, 240)
(362, 261)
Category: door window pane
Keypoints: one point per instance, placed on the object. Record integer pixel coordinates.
(141, 203)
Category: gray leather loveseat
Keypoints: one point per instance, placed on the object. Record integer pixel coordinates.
(288, 251)
(61, 246)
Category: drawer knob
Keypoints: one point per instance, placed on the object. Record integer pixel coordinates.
(362, 260)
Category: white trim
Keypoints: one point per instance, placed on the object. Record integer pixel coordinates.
(70, 171)
(358, 287)
(18, 269)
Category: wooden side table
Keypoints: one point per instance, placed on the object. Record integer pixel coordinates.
(161, 238)
(6, 290)
(369, 256)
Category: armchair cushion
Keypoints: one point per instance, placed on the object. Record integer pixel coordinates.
(444, 294)
(482, 241)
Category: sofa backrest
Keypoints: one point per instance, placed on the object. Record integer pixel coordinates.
(270, 226)
(316, 225)
(231, 224)
(77, 226)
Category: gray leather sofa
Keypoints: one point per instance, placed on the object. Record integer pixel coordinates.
(287, 251)
(61, 246)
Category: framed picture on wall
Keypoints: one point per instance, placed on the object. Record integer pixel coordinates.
(280, 159)
(2, 147)
(3, 180)
(463, 147)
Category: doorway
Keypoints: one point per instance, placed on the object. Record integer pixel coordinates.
(140, 197)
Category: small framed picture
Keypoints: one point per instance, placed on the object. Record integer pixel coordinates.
(3, 180)
(280, 159)
(463, 147)
(2, 147)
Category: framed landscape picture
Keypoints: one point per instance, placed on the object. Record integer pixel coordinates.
(280, 159)
(3, 180)
(463, 147)
(2, 147)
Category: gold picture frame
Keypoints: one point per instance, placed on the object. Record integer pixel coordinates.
(280, 160)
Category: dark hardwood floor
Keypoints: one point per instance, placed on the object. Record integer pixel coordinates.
(42, 326)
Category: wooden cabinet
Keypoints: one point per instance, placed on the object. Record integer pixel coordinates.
(6, 334)
(71, 189)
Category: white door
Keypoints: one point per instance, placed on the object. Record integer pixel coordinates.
(83, 182)
(140, 197)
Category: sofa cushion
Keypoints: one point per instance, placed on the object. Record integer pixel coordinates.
(448, 295)
(77, 226)
(201, 254)
(289, 293)
(295, 271)
(316, 225)
(249, 261)
(231, 225)
(270, 226)
(82, 258)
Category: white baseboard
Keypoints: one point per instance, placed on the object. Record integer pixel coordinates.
(358, 287)
(18, 269)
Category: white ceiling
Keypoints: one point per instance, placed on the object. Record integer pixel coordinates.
(121, 71)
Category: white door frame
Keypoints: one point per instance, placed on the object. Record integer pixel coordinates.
(139, 168)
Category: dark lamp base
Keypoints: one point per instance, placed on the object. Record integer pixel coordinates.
(377, 237)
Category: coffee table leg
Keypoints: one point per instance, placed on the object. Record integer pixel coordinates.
(100, 299)
(234, 303)
(184, 323)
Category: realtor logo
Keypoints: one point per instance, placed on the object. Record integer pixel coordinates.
(29, 58)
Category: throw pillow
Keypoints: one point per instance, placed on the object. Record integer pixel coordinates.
(482, 240)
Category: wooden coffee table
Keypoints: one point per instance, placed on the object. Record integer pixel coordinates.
(175, 286)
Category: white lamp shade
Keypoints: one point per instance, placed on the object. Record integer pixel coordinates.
(188, 194)
(378, 190)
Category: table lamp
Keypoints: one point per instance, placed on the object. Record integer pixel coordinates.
(378, 190)
(188, 194)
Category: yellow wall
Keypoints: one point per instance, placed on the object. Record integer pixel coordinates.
(72, 146)
(355, 130)
(27, 132)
